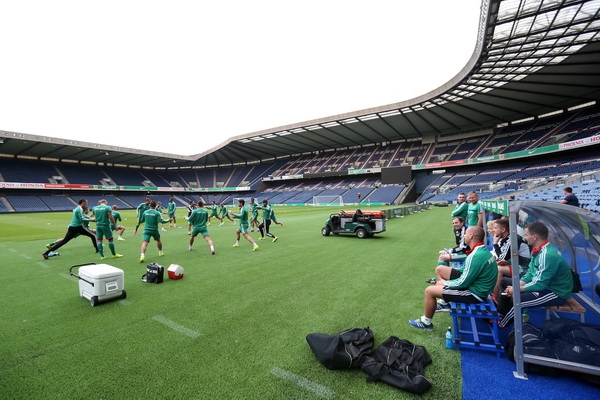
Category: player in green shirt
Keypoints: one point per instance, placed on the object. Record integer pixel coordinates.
(224, 214)
(547, 282)
(213, 212)
(243, 227)
(117, 227)
(198, 220)
(160, 208)
(474, 213)
(474, 285)
(151, 219)
(171, 208)
(104, 221)
(253, 215)
(461, 208)
(75, 229)
(264, 226)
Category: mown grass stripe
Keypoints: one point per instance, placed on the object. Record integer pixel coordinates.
(42, 264)
(175, 326)
(318, 389)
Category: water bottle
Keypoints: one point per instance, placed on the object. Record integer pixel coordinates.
(449, 343)
(525, 316)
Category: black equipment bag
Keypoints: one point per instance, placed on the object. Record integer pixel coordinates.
(346, 349)
(576, 282)
(399, 363)
(560, 339)
(573, 341)
(154, 273)
(534, 343)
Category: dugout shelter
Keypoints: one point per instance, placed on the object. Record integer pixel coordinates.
(576, 233)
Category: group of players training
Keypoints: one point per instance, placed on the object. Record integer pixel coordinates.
(150, 213)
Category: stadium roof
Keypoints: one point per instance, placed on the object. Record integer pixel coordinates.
(532, 58)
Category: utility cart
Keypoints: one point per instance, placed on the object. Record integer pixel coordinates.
(360, 223)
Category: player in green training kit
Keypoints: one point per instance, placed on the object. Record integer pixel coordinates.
(151, 218)
(116, 226)
(198, 220)
(213, 212)
(243, 228)
(264, 226)
(171, 208)
(224, 214)
(140, 214)
(253, 215)
(75, 229)
(160, 208)
(104, 221)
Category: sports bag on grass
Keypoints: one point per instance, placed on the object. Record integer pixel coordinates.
(399, 363)
(154, 273)
(346, 349)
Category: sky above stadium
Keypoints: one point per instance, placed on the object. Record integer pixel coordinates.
(183, 76)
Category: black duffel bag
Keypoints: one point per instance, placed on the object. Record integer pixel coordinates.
(346, 349)
(399, 363)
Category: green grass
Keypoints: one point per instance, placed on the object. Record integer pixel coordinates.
(248, 312)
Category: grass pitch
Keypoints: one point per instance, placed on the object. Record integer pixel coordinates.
(233, 328)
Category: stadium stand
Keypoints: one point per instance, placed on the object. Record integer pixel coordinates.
(27, 171)
(126, 177)
(26, 203)
(57, 203)
(82, 174)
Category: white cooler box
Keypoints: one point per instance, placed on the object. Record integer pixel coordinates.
(99, 282)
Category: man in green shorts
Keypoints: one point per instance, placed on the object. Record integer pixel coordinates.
(151, 219)
(160, 208)
(253, 215)
(223, 213)
(474, 285)
(104, 221)
(243, 227)
(198, 220)
(116, 226)
(213, 212)
(171, 208)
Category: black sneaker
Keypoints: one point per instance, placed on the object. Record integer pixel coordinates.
(432, 281)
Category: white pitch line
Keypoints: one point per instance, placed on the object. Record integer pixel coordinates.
(173, 325)
(319, 390)
(67, 276)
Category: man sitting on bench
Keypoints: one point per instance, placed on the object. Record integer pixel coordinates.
(548, 281)
(472, 286)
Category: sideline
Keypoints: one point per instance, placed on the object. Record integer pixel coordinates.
(319, 390)
(175, 326)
